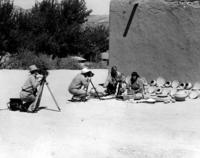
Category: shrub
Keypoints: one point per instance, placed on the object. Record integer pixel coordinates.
(99, 65)
(67, 63)
(26, 58)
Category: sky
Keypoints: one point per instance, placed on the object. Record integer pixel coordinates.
(98, 6)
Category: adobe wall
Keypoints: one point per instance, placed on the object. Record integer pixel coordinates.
(163, 39)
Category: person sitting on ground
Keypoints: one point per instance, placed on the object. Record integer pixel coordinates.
(114, 77)
(121, 87)
(29, 89)
(135, 85)
(79, 85)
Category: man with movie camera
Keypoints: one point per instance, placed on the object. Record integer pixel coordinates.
(29, 89)
(79, 85)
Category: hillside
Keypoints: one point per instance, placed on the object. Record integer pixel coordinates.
(98, 20)
(92, 19)
(20, 9)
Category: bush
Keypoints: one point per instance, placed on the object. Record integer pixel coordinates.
(51, 28)
(67, 63)
(26, 58)
(98, 65)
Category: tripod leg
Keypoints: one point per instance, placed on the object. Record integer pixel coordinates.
(53, 96)
(95, 90)
(33, 107)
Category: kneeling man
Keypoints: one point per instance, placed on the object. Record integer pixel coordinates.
(29, 89)
(79, 85)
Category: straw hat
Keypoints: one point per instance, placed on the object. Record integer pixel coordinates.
(153, 83)
(160, 81)
(188, 85)
(175, 83)
(168, 84)
(196, 86)
(33, 68)
(84, 70)
(180, 95)
(194, 95)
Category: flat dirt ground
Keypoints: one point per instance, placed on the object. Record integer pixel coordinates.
(95, 129)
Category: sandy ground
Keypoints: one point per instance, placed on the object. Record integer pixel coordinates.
(95, 129)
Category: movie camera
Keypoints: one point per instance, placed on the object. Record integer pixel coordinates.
(90, 74)
(44, 72)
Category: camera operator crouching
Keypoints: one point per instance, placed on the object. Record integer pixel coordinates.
(79, 85)
(29, 89)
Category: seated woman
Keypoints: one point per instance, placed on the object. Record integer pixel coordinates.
(121, 86)
(135, 85)
(29, 89)
(114, 77)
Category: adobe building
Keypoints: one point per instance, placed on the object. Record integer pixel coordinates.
(155, 38)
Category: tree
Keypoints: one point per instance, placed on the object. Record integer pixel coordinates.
(95, 41)
(23, 29)
(7, 26)
(51, 28)
(73, 14)
(74, 11)
(56, 27)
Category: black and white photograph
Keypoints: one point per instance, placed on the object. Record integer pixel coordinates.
(100, 78)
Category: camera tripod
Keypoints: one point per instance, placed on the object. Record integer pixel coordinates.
(95, 89)
(36, 104)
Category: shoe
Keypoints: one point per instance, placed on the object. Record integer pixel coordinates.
(75, 98)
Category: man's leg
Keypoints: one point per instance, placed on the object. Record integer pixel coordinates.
(111, 88)
(29, 103)
(31, 107)
(78, 94)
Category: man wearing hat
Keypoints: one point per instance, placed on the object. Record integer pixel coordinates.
(79, 85)
(29, 89)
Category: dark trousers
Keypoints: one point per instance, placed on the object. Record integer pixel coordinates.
(111, 88)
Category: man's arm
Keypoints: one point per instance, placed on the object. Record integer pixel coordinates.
(85, 82)
(108, 79)
(34, 82)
